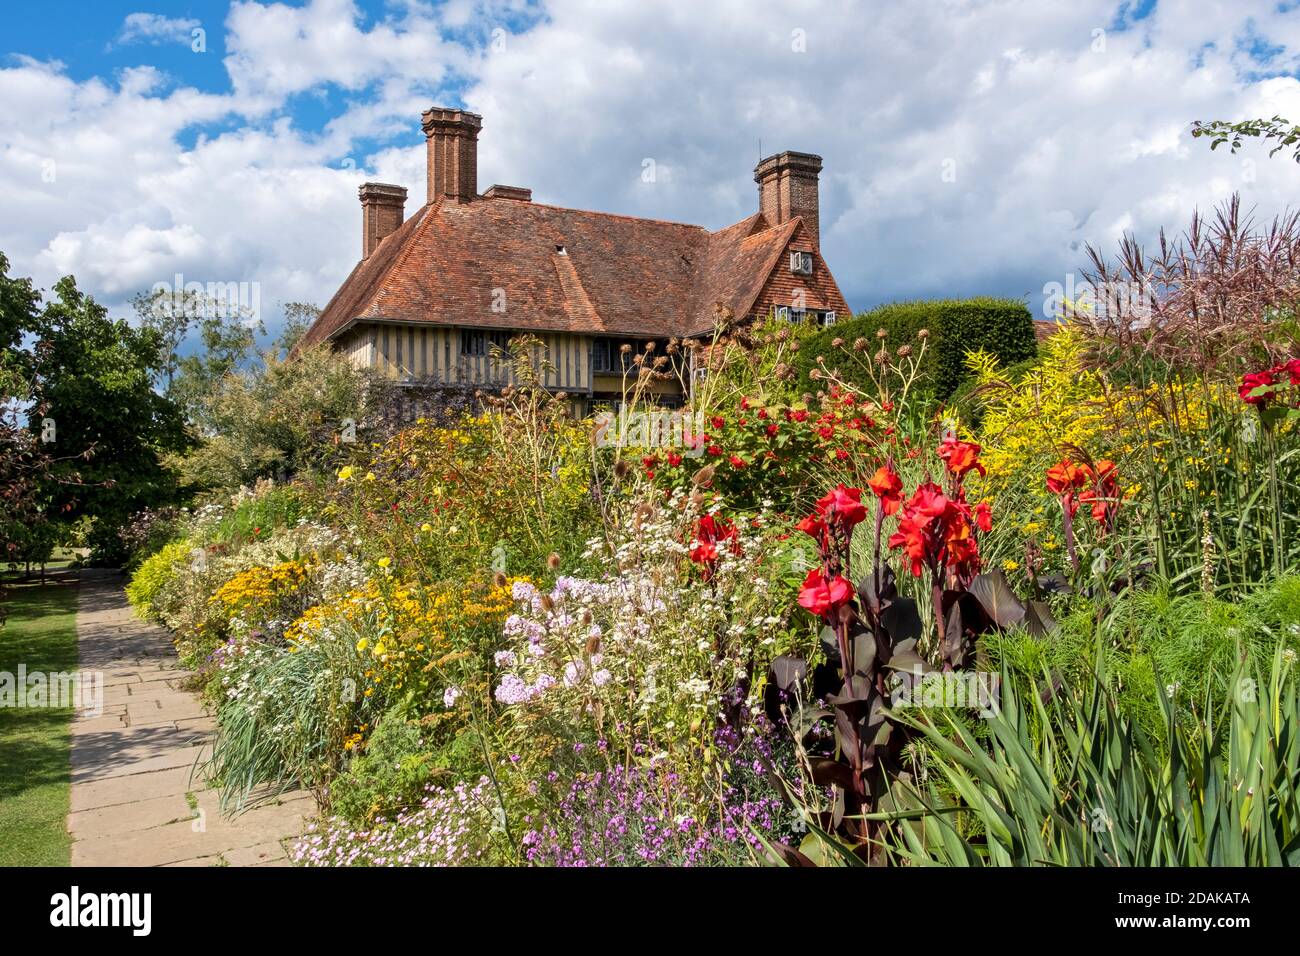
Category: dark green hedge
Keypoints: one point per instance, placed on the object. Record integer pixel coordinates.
(1002, 327)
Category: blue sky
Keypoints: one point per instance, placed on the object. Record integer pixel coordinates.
(970, 148)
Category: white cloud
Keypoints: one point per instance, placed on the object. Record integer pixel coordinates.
(1055, 143)
(155, 28)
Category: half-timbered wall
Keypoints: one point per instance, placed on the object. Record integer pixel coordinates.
(432, 354)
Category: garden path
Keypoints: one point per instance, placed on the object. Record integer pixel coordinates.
(138, 794)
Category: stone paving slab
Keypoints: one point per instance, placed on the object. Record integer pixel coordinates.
(138, 794)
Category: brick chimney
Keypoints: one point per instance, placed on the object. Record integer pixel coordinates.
(453, 153)
(383, 208)
(787, 187)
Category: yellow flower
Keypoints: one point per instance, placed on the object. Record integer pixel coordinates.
(384, 562)
(370, 476)
(426, 527)
(345, 473)
(363, 644)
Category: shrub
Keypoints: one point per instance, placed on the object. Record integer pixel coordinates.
(1002, 327)
(153, 574)
(398, 763)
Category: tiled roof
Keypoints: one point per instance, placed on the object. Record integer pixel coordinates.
(545, 268)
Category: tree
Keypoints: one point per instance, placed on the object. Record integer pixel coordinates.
(298, 317)
(280, 418)
(226, 337)
(1277, 128)
(93, 395)
(30, 527)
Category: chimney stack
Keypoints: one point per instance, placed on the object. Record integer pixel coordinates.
(787, 187)
(383, 208)
(453, 153)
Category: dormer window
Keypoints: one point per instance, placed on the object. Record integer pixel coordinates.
(801, 263)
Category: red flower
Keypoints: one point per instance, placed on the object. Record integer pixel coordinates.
(1252, 381)
(674, 459)
(934, 532)
(820, 596)
(1065, 480)
(961, 457)
(1104, 495)
(844, 504)
(984, 516)
(718, 422)
(744, 403)
(772, 429)
(888, 488)
(762, 413)
(814, 527)
(710, 531)
(714, 450)
(736, 461)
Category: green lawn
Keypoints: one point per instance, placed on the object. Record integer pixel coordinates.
(41, 632)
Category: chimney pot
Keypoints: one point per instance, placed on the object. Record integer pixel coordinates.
(452, 137)
(508, 192)
(787, 187)
(383, 208)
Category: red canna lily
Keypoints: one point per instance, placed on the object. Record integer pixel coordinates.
(888, 487)
(844, 505)
(1066, 480)
(984, 516)
(961, 457)
(935, 533)
(821, 596)
(1104, 495)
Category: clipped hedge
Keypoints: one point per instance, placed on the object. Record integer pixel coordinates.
(1002, 327)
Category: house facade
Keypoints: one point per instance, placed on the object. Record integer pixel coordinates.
(436, 295)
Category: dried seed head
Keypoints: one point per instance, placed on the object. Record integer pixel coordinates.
(904, 351)
(553, 561)
(696, 501)
(860, 344)
(815, 374)
(782, 334)
(881, 333)
(621, 468)
(547, 603)
(586, 617)
(499, 579)
(794, 346)
(625, 348)
(593, 644)
(922, 333)
(702, 477)
(837, 343)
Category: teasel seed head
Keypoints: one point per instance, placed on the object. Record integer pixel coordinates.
(499, 579)
(553, 561)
